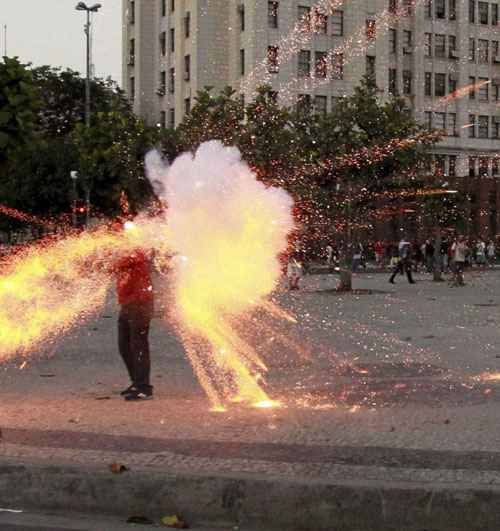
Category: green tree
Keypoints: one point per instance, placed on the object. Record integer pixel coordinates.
(212, 118)
(19, 101)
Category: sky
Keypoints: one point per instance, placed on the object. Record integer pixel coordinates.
(51, 32)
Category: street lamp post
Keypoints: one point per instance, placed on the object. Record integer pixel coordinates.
(82, 6)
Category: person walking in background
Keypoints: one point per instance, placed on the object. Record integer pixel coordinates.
(404, 264)
(329, 254)
(480, 253)
(429, 255)
(378, 252)
(135, 296)
(491, 253)
(460, 252)
(294, 271)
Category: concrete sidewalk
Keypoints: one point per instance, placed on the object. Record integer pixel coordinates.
(389, 418)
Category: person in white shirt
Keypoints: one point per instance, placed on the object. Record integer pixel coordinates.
(480, 252)
(459, 251)
(491, 252)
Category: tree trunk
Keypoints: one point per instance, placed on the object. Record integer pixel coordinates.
(345, 280)
(436, 277)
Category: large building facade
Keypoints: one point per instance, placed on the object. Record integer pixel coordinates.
(316, 51)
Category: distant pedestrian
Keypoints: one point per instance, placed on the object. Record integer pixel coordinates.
(460, 252)
(429, 255)
(480, 252)
(294, 271)
(404, 264)
(378, 252)
(491, 252)
(329, 254)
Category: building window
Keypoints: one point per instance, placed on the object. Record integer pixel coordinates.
(473, 88)
(338, 66)
(370, 65)
(187, 67)
(495, 127)
(407, 41)
(428, 84)
(428, 44)
(393, 6)
(131, 52)
(163, 7)
(428, 119)
(452, 9)
(171, 80)
(472, 11)
(494, 52)
(439, 45)
(304, 17)
(172, 5)
(483, 12)
(337, 23)
(452, 166)
(163, 43)
(483, 53)
(242, 62)
(320, 64)
(440, 120)
(304, 103)
(472, 169)
(162, 89)
(428, 8)
(304, 63)
(451, 124)
(483, 127)
(439, 84)
(371, 29)
(392, 41)
(495, 167)
(187, 105)
(320, 21)
(471, 126)
(472, 50)
(452, 83)
(272, 14)
(408, 9)
(407, 82)
(392, 81)
(439, 164)
(163, 119)
(483, 166)
(187, 25)
(273, 59)
(494, 14)
(320, 105)
(452, 47)
(132, 88)
(496, 91)
(440, 8)
(172, 39)
(131, 12)
(483, 90)
(171, 118)
(241, 15)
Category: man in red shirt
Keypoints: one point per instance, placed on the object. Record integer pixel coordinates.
(135, 296)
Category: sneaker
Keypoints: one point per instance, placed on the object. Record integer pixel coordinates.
(130, 389)
(139, 395)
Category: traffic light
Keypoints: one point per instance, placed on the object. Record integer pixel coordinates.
(80, 212)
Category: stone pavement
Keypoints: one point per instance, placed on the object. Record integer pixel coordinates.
(393, 384)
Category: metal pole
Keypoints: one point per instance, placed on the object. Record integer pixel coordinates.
(87, 85)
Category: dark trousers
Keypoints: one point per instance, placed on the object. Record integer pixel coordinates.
(133, 343)
(402, 266)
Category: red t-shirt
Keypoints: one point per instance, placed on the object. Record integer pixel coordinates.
(134, 278)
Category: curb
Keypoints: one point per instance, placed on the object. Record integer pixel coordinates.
(263, 504)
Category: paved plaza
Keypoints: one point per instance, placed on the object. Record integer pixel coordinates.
(392, 383)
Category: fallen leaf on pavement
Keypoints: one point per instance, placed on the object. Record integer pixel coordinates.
(118, 468)
(174, 521)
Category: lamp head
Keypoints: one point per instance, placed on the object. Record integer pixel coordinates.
(95, 8)
(81, 6)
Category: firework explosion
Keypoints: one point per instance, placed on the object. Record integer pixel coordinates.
(227, 230)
